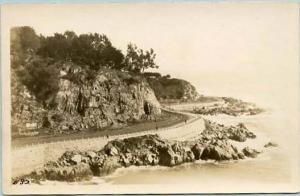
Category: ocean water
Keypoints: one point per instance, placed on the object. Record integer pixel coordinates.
(274, 168)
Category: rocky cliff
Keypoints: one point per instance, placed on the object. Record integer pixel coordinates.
(85, 100)
(172, 88)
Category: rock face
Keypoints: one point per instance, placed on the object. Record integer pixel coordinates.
(27, 114)
(110, 98)
(167, 88)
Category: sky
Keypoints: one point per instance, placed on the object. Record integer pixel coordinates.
(229, 49)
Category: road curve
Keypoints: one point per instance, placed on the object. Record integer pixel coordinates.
(26, 158)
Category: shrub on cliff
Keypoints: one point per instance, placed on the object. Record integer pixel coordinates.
(23, 42)
(41, 78)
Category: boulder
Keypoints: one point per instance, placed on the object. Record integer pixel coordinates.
(97, 161)
(166, 156)
(137, 161)
(178, 159)
(238, 136)
(109, 165)
(177, 148)
(241, 155)
(188, 155)
(197, 149)
(64, 127)
(76, 159)
(126, 161)
(248, 152)
(250, 134)
(70, 157)
(218, 153)
(71, 173)
(270, 144)
(91, 154)
(111, 150)
(151, 159)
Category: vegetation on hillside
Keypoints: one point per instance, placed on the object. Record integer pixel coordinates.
(37, 59)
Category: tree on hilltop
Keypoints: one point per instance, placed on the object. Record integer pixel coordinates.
(93, 50)
(137, 60)
(23, 42)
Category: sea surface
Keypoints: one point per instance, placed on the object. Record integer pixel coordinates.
(275, 167)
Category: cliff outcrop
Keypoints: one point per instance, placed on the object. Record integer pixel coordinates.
(166, 88)
(85, 100)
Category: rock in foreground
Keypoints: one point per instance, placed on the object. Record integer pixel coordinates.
(139, 151)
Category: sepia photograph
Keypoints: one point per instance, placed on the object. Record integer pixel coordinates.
(150, 98)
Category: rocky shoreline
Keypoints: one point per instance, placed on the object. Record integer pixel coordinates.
(212, 144)
(231, 106)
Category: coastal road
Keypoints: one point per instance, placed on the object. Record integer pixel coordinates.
(26, 158)
(187, 131)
